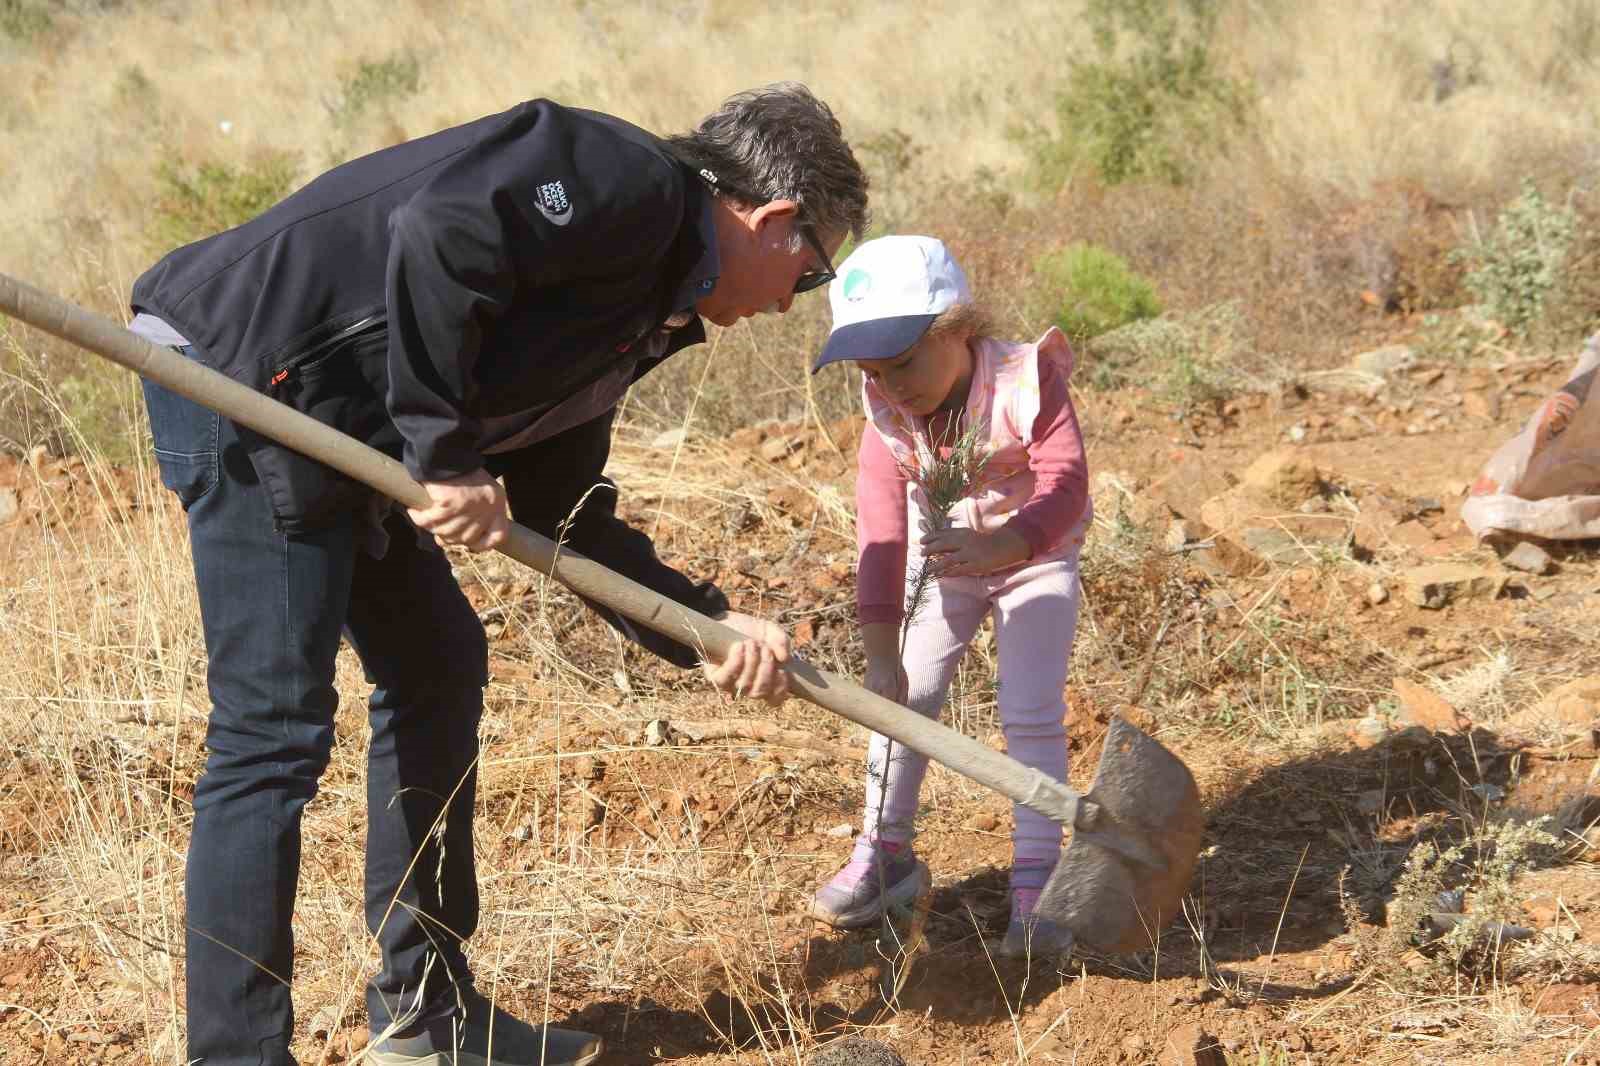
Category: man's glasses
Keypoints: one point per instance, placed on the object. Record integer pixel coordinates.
(813, 279)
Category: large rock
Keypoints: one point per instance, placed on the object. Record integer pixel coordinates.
(1188, 484)
(1572, 710)
(1285, 476)
(1438, 584)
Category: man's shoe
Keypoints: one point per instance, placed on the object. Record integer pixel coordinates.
(485, 1038)
(860, 893)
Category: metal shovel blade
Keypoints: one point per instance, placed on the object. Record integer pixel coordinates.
(1143, 801)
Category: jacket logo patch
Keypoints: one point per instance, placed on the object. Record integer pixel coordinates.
(553, 204)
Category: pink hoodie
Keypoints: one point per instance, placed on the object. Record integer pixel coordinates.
(1036, 481)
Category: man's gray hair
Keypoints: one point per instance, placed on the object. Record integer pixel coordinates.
(779, 142)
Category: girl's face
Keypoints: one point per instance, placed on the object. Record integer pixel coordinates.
(933, 373)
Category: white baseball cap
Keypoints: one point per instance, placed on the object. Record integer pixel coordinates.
(887, 294)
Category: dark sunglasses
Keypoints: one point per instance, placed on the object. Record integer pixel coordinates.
(814, 279)
(811, 279)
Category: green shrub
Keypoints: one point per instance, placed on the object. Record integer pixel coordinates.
(375, 83)
(133, 87)
(1518, 266)
(1151, 99)
(102, 403)
(1486, 867)
(195, 202)
(22, 20)
(1092, 290)
(888, 157)
(1186, 360)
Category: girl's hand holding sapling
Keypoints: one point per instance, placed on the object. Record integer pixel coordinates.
(961, 552)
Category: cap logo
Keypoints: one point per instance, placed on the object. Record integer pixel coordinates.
(857, 284)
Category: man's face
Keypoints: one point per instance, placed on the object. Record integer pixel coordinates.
(760, 265)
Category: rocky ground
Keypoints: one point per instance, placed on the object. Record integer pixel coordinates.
(1351, 677)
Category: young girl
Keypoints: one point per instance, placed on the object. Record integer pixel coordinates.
(903, 313)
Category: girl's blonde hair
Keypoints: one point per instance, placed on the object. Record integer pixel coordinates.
(964, 320)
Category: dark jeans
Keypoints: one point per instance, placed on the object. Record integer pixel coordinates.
(273, 609)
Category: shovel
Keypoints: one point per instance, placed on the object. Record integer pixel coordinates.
(1135, 833)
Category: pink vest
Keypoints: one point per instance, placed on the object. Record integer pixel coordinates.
(1004, 396)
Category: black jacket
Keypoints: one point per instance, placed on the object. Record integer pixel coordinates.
(491, 269)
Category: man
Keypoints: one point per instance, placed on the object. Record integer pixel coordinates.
(476, 302)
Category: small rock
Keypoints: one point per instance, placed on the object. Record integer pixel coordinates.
(778, 447)
(855, 1050)
(1189, 1045)
(1423, 707)
(1376, 593)
(325, 1022)
(658, 734)
(1370, 731)
(9, 507)
(840, 831)
(1543, 911)
(1411, 534)
(1284, 476)
(88, 1036)
(1421, 505)
(1276, 546)
(1485, 405)
(1297, 432)
(1438, 584)
(670, 438)
(1526, 556)
(1177, 536)
(1488, 792)
(1384, 361)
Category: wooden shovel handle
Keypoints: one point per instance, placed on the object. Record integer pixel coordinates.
(306, 435)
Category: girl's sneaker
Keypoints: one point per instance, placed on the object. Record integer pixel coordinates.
(1028, 935)
(860, 893)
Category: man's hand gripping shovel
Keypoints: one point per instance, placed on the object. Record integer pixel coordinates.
(1135, 833)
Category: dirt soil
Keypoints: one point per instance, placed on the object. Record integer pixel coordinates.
(1274, 679)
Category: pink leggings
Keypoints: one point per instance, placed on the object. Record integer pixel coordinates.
(1035, 615)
